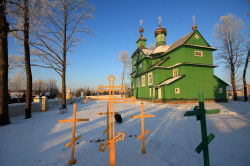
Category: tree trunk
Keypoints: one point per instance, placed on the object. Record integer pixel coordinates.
(27, 61)
(64, 60)
(233, 82)
(4, 28)
(123, 78)
(63, 89)
(244, 76)
(123, 73)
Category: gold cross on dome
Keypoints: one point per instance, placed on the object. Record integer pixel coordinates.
(159, 18)
(194, 19)
(141, 22)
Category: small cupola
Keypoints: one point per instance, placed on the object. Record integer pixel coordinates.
(141, 42)
(194, 27)
(160, 34)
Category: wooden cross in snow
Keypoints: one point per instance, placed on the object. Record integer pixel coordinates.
(200, 113)
(111, 113)
(143, 133)
(72, 142)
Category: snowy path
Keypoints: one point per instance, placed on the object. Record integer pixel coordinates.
(171, 141)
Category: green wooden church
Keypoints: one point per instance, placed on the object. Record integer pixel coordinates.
(175, 73)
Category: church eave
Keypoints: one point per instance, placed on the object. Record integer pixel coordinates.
(170, 80)
(135, 52)
(149, 57)
(185, 63)
(191, 45)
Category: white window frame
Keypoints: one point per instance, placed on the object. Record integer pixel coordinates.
(138, 82)
(143, 80)
(140, 65)
(149, 78)
(177, 90)
(174, 72)
(220, 90)
(199, 52)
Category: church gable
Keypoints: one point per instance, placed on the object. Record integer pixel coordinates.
(197, 39)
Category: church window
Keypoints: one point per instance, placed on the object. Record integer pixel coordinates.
(177, 90)
(143, 80)
(140, 65)
(220, 90)
(198, 53)
(138, 82)
(175, 72)
(197, 36)
(150, 78)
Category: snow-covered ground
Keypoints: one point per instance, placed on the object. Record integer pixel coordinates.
(171, 141)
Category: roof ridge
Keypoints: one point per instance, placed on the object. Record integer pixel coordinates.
(179, 42)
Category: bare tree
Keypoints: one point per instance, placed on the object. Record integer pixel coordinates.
(126, 60)
(39, 84)
(230, 43)
(23, 13)
(52, 86)
(62, 20)
(78, 92)
(18, 81)
(4, 29)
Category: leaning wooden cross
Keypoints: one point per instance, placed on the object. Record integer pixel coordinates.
(143, 133)
(110, 118)
(72, 143)
(200, 113)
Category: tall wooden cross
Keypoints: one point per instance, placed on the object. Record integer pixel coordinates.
(200, 113)
(143, 133)
(111, 113)
(72, 142)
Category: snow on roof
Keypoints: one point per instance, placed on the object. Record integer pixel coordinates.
(160, 48)
(168, 81)
(179, 42)
(147, 51)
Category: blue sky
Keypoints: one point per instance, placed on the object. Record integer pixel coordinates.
(115, 26)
